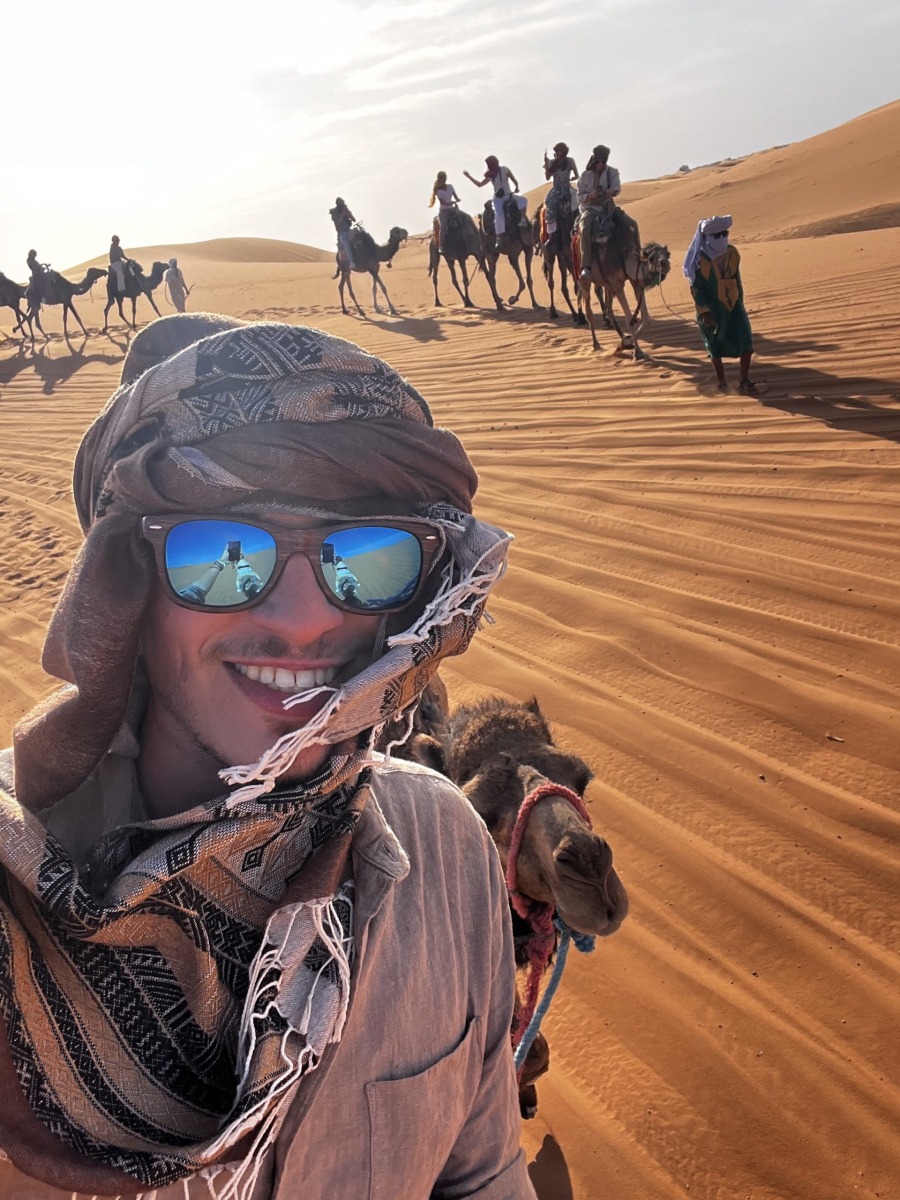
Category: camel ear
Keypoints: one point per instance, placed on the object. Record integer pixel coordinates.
(534, 706)
(427, 751)
(583, 777)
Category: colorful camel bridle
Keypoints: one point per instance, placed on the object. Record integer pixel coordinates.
(545, 922)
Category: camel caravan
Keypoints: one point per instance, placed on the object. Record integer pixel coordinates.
(125, 280)
(583, 233)
(529, 793)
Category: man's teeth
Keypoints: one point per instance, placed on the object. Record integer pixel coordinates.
(282, 680)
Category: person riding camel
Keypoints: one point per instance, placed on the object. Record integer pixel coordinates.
(38, 278)
(445, 195)
(343, 221)
(597, 189)
(500, 179)
(117, 260)
(561, 198)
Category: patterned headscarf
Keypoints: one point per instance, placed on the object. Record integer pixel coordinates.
(702, 245)
(158, 1011)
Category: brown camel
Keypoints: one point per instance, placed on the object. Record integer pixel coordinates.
(498, 752)
(462, 240)
(136, 284)
(616, 260)
(11, 296)
(516, 242)
(59, 290)
(368, 256)
(556, 248)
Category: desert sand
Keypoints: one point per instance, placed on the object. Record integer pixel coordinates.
(704, 596)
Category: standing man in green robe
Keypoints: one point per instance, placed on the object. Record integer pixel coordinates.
(713, 268)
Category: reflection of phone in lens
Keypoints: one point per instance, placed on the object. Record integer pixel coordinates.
(234, 551)
(327, 552)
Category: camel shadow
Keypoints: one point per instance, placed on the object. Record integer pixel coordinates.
(549, 1173)
(52, 371)
(423, 329)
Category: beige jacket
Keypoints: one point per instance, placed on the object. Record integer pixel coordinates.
(419, 1098)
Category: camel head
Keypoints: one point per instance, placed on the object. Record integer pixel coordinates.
(397, 236)
(95, 273)
(655, 263)
(561, 860)
(498, 753)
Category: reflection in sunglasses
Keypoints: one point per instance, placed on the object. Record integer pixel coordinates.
(214, 563)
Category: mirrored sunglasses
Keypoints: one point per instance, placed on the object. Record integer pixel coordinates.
(224, 564)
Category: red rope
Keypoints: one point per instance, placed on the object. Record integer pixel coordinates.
(542, 941)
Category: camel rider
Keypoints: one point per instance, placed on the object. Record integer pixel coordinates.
(500, 179)
(445, 195)
(597, 189)
(38, 275)
(561, 197)
(117, 260)
(343, 220)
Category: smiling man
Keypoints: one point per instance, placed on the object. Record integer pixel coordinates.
(236, 948)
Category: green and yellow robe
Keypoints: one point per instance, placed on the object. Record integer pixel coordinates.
(717, 289)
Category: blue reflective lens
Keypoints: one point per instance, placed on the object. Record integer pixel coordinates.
(219, 563)
(372, 566)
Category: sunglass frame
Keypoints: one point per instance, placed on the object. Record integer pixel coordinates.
(430, 536)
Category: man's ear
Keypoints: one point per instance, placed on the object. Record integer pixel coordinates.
(427, 751)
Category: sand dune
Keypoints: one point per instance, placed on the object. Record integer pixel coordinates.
(704, 596)
(840, 181)
(220, 250)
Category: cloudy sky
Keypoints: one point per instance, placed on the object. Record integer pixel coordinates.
(178, 120)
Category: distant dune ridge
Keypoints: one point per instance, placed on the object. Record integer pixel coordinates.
(704, 594)
(223, 250)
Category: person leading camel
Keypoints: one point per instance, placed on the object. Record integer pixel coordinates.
(117, 260)
(177, 288)
(504, 184)
(560, 199)
(713, 267)
(598, 187)
(247, 931)
(444, 194)
(343, 220)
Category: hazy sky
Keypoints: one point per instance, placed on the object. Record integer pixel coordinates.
(172, 122)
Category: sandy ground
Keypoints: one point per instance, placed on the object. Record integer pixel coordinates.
(703, 594)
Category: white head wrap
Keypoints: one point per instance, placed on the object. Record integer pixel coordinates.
(701, 244)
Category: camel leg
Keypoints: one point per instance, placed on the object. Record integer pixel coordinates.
(74, 310)
(380, 282)
(434, 263)
(564, 286)
(548, 276)
(134, 312)
(619, 294)
(153, 302)
(588, 310)
(349, 283)
(529, 255)
(514, 263)
(463, 295)
(490, 271)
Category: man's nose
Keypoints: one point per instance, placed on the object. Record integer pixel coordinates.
(296, 608)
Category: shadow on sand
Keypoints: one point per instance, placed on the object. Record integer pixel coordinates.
(53, 371)
(549, 1173)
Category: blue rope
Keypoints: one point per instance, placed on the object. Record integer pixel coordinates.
(583, 942)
